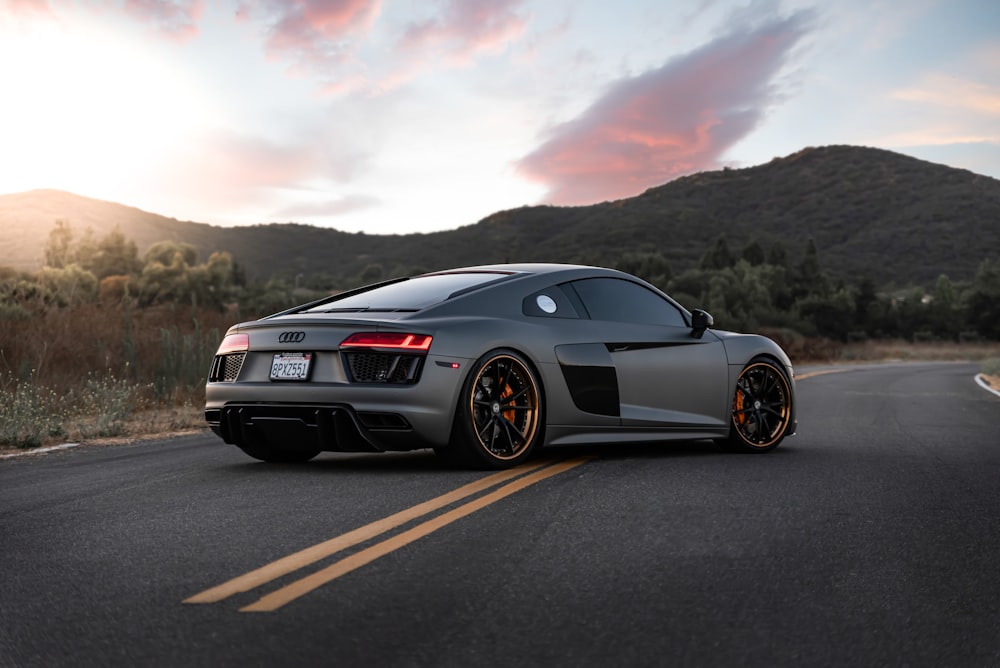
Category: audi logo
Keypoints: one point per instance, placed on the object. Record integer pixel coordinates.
(291, 337)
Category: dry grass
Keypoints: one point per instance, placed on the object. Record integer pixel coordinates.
(59, 346)
(871, 351)
(98, 371)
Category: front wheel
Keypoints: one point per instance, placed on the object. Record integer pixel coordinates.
(762, 408)
(498, 421)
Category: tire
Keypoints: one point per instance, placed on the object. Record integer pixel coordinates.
(761, 409)
(268, 453)
(498, 421)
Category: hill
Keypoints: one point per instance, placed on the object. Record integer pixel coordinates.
(870, 212)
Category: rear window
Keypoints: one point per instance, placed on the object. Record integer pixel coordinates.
(412, 294)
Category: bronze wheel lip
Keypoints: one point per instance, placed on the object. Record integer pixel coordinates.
(498, 407)
(777, 432)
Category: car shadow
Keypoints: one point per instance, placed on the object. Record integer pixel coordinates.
(416, 461)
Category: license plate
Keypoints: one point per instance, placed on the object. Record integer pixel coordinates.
(290, 366)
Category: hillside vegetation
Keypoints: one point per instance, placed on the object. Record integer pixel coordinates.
(870, 212)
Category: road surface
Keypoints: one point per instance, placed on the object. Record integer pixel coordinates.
(869, 538)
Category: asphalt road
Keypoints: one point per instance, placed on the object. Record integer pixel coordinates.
(868, 539)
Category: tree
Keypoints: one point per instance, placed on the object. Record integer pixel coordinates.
(753, 253)
(864, 300)
(171, 252)
(115, 255)
(59, 251)
(652, 267)
(833, 315)
(777, 256)
(718, 256)
(69, 285)
(371, 273)
(809, 278)
(165, 274)
(171, 274)
(982, 301)
(944, 311)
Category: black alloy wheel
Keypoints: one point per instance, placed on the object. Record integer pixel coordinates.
(499, 417)
(762, 407)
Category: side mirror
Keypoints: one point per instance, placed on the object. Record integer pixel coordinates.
(700, 321)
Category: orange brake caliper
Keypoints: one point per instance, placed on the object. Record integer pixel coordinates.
(738, 413)
(510, 413)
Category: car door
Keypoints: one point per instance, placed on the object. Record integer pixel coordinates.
(666, 376)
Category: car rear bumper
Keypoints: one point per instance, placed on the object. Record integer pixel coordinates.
(330, 427)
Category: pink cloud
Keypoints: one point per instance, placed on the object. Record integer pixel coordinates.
(466, 28)
(671, 121)
(29, 9)
(29, 6)
(177, 19)
(316, 34)
(253, 162)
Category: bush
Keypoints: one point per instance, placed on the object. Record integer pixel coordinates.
(29, 414)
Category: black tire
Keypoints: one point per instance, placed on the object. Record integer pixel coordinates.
(269, 453)
(761, 408)
(499, 418)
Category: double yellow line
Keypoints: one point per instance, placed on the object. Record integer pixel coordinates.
(523, 476)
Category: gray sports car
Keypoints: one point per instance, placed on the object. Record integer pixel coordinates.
(487, 364)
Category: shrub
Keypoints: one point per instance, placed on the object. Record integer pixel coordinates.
(29, 414)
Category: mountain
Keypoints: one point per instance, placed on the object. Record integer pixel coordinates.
(869, 211)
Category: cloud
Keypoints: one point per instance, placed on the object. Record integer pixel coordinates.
(324, 39)
(948, 91)
(465, 29)
(674, 120)
(176, 19)
(29, 7)
(944, 108)
(318, 36)
(173, 19)
(252, 161)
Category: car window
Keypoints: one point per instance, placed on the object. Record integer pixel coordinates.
(618, 300)
(412, 294)
(551, 302)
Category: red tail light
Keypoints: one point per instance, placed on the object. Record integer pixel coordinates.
(234, 343)
(388, 340)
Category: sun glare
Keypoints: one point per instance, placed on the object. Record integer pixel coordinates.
(85, 111)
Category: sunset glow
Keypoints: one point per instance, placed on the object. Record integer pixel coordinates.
(391, 118)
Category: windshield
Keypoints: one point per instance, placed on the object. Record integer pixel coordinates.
(410, 295)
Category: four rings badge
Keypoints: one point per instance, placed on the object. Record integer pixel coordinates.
(291, 337)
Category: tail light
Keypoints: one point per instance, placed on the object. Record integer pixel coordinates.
(229, 358)
(385, 357)
(388, 341)
(234, 343)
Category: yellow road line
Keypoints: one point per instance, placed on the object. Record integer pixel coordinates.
(294, 562)
(823, 372)
(299, 588)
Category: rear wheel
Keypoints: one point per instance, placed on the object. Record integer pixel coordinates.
(762, 408)
(499, 417)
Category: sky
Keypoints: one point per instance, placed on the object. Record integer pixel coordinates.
(403, 116)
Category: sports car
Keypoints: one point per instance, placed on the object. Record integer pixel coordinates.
(485, 365)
